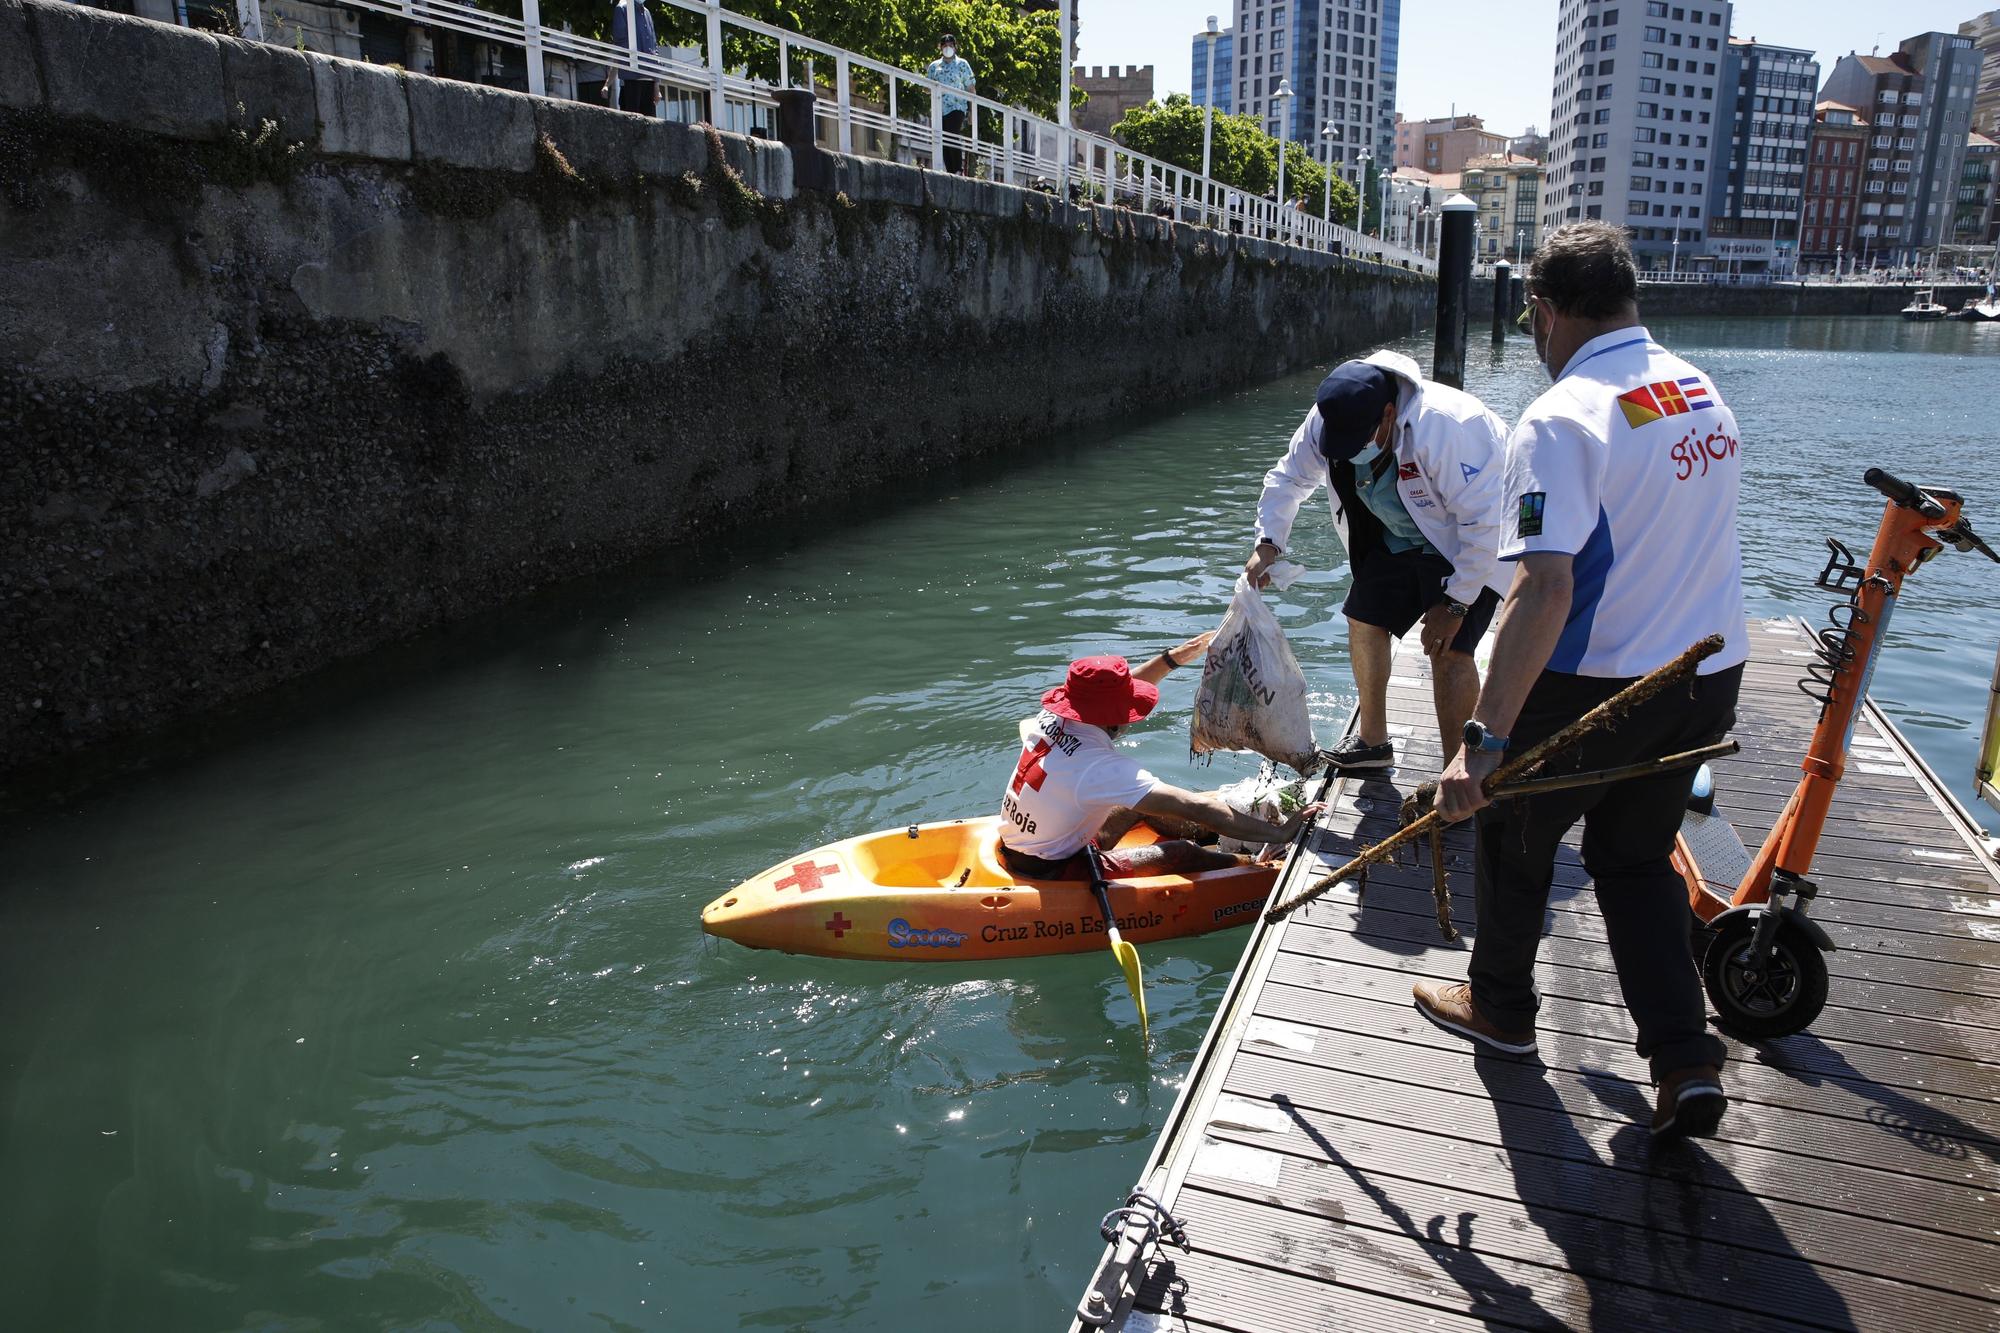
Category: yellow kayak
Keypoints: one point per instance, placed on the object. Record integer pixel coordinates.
(938, 893)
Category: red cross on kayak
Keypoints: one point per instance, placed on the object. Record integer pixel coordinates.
(806, 877)
(840, 925)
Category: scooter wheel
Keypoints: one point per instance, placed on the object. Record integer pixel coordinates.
(1781, 998)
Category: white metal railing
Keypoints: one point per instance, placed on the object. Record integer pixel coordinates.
(1003, 143)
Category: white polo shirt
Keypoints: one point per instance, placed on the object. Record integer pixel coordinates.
(1630, 464)
(1069, 779)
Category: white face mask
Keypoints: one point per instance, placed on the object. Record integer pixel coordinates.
(950, 52)
(1541, 344)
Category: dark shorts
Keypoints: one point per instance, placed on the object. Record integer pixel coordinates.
(1170, 857)
(1393, 589)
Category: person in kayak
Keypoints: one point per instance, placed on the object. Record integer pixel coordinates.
(1413, 469)
(1073, 786)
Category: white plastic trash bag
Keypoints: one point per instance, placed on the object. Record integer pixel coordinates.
(1265, 796)
(1253, 695)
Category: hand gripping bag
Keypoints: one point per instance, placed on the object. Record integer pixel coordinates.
(1253, 695)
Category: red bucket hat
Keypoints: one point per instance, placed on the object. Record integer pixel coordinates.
(1101, 692)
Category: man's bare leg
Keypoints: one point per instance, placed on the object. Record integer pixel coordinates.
(1454, 692)
(1368, 648)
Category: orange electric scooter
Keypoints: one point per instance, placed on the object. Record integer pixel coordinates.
(1764, 967)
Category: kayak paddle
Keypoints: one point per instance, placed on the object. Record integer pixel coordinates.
(1127, 956)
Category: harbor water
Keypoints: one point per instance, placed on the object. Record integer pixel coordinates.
(389, 1008)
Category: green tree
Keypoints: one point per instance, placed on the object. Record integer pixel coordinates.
(1016, 57)
(1242, 154)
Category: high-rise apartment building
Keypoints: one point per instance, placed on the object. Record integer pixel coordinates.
(1757, 179)
(1633, 119)
(1340, 59)
(1224, 100)
(1832, 199)
(1919, 105)
(1985, 34)
(1974, 222)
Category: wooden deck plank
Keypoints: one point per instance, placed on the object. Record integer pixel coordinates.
(1571, 1178)
(1341, 1162)
(1803, 1071)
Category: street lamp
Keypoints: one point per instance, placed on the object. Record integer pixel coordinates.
(1208, 115)
(1520, 235)
(1284, 96)
(1839, 258)
(1674, 261)
(1329, 133)
(1361, 186)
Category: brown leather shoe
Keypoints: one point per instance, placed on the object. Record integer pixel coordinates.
(1449, 1005)
(1691, 1103)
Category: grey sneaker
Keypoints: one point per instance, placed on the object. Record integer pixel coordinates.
(1353, 752)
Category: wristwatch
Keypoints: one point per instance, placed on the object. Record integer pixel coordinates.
(1479, 738)
(1459, 609)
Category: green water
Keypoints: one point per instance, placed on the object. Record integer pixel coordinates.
(390, 1010)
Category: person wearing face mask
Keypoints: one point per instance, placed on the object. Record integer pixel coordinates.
(952, 71)
(1412, 468)
(1621, 490)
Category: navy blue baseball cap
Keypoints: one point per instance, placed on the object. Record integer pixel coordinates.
(1351, 400)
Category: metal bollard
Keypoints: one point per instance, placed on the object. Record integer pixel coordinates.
(1516, 297)
(1503, 273)
(1454, 291)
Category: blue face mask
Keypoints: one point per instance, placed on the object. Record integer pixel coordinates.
(1366, 456)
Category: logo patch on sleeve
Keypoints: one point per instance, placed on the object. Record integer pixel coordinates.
(1529, 520)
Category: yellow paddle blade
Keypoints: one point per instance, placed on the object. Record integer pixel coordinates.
(1128, 963)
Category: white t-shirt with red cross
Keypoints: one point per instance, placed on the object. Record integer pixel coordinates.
(1630, 464)
(1069, 779)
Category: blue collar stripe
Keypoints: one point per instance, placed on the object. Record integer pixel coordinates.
(1629, 342)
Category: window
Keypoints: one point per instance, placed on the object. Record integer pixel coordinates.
(1644, 134)
(1641, 184)
(1603, 116)
(1656, 9)
(1642, 159)
(1609, 43)
(1610, 18)
(1654, 34)
(1604, 66)
(1649, 85)
(1604, 92)
(1648, 111)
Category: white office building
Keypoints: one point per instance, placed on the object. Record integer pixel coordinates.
(1634, 118)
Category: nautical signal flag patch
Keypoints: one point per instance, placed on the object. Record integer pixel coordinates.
(1668, 398)
(1530, 517)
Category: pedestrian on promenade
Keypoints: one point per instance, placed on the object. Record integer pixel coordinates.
(952, 70)
(634, 94)
(1072, 786)
(1621, 485)
(1412, 469)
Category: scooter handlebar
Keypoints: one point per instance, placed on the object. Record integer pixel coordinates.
(1902, 493)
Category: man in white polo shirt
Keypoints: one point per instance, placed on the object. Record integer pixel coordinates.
(1412, 469)
(1621, 485)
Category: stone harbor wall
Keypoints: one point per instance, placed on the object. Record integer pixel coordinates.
(299, 356)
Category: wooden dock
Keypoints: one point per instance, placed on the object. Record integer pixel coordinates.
(1341, 1163)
